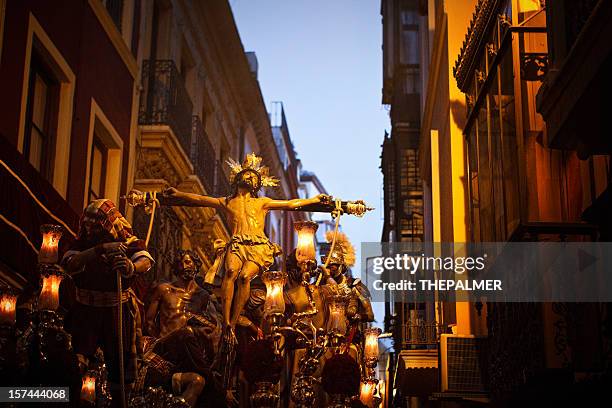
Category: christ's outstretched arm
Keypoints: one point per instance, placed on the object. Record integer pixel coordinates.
(295, 204)
(173, 197)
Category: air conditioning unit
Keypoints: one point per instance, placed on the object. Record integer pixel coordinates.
(462, 363)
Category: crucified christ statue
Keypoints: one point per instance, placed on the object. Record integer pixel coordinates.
(249, 251)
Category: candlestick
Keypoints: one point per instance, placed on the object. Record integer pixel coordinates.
(366, 394)
(88, 390)
(305, 251)
(8, 308)
(51, 235)
(275, 302)
(49, 294)
(370, 349)
(336, 323)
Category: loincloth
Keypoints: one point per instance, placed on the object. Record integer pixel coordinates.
(254, 248)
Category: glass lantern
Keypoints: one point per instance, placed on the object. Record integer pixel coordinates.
(336, 323)
(51, 235)
(88, 389)
(370, 349)
(49, 294)
(8, 308)
(305, 251)
(275, 301)
(366, 394)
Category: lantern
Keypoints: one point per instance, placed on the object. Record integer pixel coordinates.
(275, 282)
(336, 323)
(366, 394)
(8, 307)
(51, 235)
(88, 390)
(370, 349)
(305, 251)
(49, 294)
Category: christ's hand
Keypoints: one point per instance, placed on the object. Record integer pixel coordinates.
(170, 192)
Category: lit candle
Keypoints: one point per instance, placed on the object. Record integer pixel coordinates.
(51, 235)
(366, 394)
(305, 251)
(274, 281)
(8, 307)
(88, 390)
(49, 294)
(336, 322)
(370, 349)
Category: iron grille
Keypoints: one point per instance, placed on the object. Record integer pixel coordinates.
(165, 100)
(203, 155)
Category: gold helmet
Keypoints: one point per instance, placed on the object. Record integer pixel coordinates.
(252, 162)
(343, 252)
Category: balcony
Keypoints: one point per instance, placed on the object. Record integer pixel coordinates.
(165, 100)
(223, 187)
(203, 155)
(417, 364)
(420, 333)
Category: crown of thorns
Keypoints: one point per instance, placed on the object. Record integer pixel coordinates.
(252, 163)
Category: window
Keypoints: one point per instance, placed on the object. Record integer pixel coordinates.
(45, 118)
(409, 33)
(39, 142)
(409, 52)
(105, 151)
(97, 170)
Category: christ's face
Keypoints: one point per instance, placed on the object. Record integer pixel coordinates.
(248, 180)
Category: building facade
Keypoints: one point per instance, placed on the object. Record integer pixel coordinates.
(413, 364)
(67, 123)
(201, 105)
(510, 151)
(142, 94)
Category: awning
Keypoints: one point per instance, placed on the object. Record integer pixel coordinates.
(417, 372)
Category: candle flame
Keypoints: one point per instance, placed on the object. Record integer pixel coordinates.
(367, 392)
(8, 305)
(88, 390)
(275, 282)
(49, 294)
(371, 343)
(51, 235)
(305, 250)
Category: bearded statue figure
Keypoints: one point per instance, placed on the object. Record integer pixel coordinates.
(183, 318)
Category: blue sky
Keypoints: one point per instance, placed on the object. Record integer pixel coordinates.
(323, 60)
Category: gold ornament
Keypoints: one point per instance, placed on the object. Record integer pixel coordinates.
(343, 252)
(252, 162)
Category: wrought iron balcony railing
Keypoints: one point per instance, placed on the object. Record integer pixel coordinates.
(203, 155)
(420, 333)
(223, 187)
(165, 100)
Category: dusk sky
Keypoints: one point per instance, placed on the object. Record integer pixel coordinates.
(323, 60)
